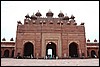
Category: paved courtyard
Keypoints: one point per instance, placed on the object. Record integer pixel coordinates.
(49, 62)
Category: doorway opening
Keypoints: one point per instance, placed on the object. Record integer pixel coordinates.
(73, 50)
(28, 50)
(6, 53)
(93, 54)
(51, 50)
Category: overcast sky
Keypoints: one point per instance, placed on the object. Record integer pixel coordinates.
(84, 11)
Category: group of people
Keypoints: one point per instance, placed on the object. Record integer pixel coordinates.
(51, 57)
(25, 57)
(31, 57)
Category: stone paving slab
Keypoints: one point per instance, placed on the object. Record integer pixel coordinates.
(49, 62)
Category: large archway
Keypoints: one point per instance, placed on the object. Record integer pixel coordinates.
(6, 53)
(28, 50)
(51, 50)
(93, 54)
(73, 50)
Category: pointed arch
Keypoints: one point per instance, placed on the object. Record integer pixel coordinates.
(6, 53)
(93, 54)
(28, 49)
(73, 50)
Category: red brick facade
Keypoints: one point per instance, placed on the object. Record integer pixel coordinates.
(10, 46)
(61, 32)
(7, 49)
(92, 48)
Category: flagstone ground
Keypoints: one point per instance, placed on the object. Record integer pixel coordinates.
(49, 62)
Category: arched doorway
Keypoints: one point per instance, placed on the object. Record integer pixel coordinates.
(12, 55)
(73, 50)
(6, 53)
(93, 54)
(28, 50)
(51, 50)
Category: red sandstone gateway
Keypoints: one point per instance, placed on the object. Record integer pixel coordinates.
(61, 35)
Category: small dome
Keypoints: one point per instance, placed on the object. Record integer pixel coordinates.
(27, 16)
(33, 17)
(66, 17)
(38, 14)
(95, 40)
(88, 40)
(19, 22)
(49, 14)
(72, 17)
(60, 14)
(75, 23)
(82, 23)
(3, 39)
(11, 39)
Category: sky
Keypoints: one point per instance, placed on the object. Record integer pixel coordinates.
(84, 11)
